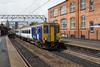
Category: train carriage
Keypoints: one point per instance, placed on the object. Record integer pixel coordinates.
(44, 35)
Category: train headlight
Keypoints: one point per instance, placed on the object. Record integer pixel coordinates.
(45, 38)
(58, 38)
(43, 41)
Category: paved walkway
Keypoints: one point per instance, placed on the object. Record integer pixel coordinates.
(9, 57)
(83, 43)
(14, 57)
(4, 59)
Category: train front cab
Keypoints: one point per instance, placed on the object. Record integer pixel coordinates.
(51, 35)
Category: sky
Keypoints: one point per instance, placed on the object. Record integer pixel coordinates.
(26, 6)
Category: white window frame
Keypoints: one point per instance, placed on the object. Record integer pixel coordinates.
(52, 13)
(63, 24)
(91, 26)
(63, 10)
(55, 12)
(83, 22)
(72, 22)
(82, 4)
(55, 21)
(91, 5)
(72, 7)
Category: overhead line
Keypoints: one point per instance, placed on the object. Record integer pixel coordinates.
(40, 6)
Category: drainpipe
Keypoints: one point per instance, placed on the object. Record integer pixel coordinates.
(78, 17)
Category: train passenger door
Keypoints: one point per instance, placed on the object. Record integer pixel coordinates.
(52, 33)
(39, 34)
(34, 35)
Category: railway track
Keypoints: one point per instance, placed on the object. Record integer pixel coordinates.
(86, 51)
(31, 59)
(84, 56)
(74, 58)
(67, 57)
(49, 58)
(84, 48)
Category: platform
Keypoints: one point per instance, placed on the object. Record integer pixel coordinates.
(9, 57)
(82, 43)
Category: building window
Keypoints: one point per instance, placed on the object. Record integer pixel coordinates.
(55, 21)
(91, 5)
(55, 12)
(82, 4)
(91, 26)
(72, 7)
(63, 10)
(52, 11)
(72, 23)
(63, 24)
(83, 22)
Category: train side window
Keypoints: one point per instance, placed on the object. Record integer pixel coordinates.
(25, 31)
(57, 29)
(38, 30)
(46, 29)
(17, 31)
(29, 31)
(22, 31)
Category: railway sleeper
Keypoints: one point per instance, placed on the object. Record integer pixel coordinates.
(87, 51)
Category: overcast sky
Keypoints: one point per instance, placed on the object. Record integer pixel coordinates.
(26, 6)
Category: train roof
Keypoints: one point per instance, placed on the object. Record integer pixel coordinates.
(37, 25)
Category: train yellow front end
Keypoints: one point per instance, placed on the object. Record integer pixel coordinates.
(51, 35)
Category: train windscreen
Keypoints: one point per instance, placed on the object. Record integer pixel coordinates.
(46, 29)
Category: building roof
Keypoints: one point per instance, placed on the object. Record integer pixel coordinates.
(57, 5)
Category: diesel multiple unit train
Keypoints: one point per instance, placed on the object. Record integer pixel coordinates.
(43, 35)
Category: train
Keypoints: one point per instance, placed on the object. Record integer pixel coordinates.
(46, 35)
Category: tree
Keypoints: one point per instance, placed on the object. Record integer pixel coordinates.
(33, 23)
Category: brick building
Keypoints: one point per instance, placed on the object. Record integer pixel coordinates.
(77, 18)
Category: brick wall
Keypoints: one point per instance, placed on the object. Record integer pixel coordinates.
(78, 32)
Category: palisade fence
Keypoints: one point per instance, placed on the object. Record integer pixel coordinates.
(91, 35)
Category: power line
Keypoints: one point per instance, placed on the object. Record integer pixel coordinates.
(40, 6)
(28, 6)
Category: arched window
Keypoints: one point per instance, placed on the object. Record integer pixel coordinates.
(63, 10)
(72, 7)
(91, 25)
(72, 22)
(63, 24)
(82, 4)
(91, 5)
(55, 12)
(55, 21)
(83, 21)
